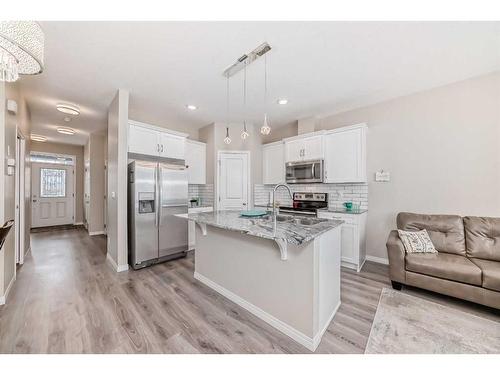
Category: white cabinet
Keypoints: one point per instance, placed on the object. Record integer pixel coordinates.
(192, 225)
(196, 162)
(304, 148)
(353, 238)
(345, 155)
(172, 146)
(273, 163)
(145, 139)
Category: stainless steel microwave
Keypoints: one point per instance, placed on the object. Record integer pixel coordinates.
(304, 172)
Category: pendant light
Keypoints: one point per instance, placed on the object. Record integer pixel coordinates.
(227, 140)
(244, 133)
(265, 128)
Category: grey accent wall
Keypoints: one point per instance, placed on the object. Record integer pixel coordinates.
(117, 179)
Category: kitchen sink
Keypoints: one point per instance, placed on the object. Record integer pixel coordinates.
(308, 221)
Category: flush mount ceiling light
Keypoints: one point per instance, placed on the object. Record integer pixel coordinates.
(67, 131)
(69, 109)
(191, 107)
(38, 138)
(21, 49)
(282, 101)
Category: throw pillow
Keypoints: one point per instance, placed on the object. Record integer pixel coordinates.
(416, 242)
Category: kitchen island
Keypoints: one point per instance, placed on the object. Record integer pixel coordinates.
(285, 271)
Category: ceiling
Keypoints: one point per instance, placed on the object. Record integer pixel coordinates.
(320, 67)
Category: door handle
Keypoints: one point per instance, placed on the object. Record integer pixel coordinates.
(34, 200)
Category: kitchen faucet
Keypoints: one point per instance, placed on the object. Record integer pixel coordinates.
(276, 212)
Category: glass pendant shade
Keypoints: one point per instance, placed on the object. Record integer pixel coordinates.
(265, 129)
(227, 140)
(21, 49)
(244, 133)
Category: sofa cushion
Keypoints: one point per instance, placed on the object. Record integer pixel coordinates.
(446, 231)
(491, 273)
(416, 242)
(482, 236)
(445, 266)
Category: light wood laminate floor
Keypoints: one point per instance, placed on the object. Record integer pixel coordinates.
(68, 300)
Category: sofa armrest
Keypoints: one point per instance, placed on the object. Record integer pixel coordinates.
(396, 253)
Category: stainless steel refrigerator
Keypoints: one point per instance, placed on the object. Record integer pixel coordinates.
(157, 192)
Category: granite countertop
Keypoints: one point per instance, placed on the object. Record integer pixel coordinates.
(342, 211)
(291, 232)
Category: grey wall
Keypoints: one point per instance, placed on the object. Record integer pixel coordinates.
(117, 179)
(442, 148)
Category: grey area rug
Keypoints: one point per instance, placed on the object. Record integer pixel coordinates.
(408, 324)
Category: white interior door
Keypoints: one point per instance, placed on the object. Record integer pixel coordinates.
(52, 194)
(19, 196)
(233, 181)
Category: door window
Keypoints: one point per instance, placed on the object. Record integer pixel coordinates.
(52, 183)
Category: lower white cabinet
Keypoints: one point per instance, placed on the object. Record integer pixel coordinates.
(273, 163)
(353, 237)
(192, 225)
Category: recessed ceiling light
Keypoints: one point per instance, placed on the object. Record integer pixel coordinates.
(191, 107)
(67, 131)
(282, 101)
(68, 109)
(38, 138)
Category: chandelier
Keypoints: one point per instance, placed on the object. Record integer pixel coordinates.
(21, 49)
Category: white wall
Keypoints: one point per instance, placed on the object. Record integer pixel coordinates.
(213, 135)
(117, 180)
(442, 148)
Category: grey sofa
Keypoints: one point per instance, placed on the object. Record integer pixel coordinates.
(467, 264)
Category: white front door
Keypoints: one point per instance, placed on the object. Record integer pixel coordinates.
(232, 185)
(52, 194)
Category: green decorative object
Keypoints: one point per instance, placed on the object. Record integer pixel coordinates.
(253, 213)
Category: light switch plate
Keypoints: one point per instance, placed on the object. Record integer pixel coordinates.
(382, 176)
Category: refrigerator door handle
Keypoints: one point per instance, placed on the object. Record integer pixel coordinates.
(156, 197)
(160, 183)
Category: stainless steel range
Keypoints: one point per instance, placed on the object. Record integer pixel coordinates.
(306, 203)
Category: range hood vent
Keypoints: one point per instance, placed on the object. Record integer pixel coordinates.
(246, 59)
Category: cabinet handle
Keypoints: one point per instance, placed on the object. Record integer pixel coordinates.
(158, 147)
(161, 148)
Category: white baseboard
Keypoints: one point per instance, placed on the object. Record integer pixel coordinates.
(309, 342)
(3, 298)
(96, 233)
(79, 223)
(380, 260)
(319, 335)
(115, 266)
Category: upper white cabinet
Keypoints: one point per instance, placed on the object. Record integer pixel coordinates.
(345, 155)
(273, 163)
(172, 146)
(145, 139)
(306, 148)
(196, 162)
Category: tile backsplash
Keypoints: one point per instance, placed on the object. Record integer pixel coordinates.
(337, 194)
(205, 192)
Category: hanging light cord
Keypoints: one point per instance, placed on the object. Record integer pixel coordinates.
(265, 81)
(227, 100)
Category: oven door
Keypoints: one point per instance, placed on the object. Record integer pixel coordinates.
(304, 172)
